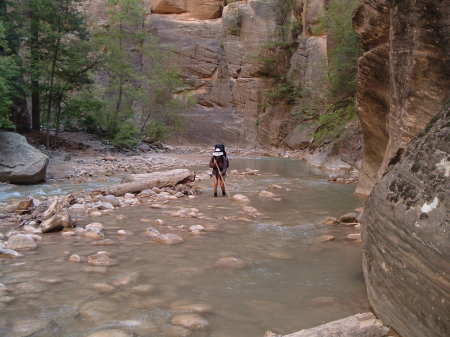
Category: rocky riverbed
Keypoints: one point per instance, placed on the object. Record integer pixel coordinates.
(170, 261)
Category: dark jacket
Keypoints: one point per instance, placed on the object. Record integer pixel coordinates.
(222, 162)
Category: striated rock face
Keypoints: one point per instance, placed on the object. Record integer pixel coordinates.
(198, 9)
(20, 163)
(402, 77)
(406, 237)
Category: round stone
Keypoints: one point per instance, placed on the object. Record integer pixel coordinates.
(169, 239)
(190, 321)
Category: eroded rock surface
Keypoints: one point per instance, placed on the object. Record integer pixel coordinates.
(406, 237)
(402, 76)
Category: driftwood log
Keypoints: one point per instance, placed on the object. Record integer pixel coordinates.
(150, 180)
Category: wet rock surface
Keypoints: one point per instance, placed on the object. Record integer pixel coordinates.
(406, 236)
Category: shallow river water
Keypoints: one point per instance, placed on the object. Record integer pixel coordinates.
(289, 281)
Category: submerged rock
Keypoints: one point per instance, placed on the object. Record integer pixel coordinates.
(190, 321)
(28, 327)
(169, 239)
(20, 163)
(21, 242)
(240, 198)
(110, 333)
(101, 259)
(9, 253)
(230, 262)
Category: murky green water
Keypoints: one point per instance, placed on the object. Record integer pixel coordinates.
(289, 281)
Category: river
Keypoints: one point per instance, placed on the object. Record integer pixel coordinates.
(287, 281)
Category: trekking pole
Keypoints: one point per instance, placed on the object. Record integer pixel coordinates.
(221, 177)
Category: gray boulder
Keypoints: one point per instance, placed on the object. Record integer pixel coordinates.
(20, 163)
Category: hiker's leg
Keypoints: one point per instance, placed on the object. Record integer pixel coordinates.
(215, 185)
(222, 185)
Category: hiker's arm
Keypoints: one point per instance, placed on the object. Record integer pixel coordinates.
(211, 163)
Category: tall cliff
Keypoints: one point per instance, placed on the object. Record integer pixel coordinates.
(403, 76)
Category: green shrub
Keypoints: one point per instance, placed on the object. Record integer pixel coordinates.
(333, 122)
(235, 24)
(126, 135)
(157, 130)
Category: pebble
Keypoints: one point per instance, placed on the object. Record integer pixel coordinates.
(21, 242)
(68, 233)
(196, 228)
(159, 222)
(169, 239)
(329, 220)
(75, 258)
(110, 333)
(190, 321)
(240, 198)
(122, 232)
(152, 232)
(142, 289)
(95, 214)
(101, 259)
(266, 194)
(93, 234)
(176, 331)
(102, 287)
(325, 238)
(95, 225)
(199, 308)
(126, 280)
(230, 262)
(28, 327)
(354, 237)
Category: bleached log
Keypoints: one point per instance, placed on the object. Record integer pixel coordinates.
(150, 180)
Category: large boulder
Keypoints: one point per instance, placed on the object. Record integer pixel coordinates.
(406, 237)
(20, 163)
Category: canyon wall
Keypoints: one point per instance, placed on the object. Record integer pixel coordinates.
(403, 76)
(220, 48)
(406, 237)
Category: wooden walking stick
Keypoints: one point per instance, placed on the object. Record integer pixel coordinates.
(221, 177)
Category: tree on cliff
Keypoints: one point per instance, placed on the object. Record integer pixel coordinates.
(138, 85)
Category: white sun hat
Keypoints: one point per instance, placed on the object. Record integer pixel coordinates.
(217, 152)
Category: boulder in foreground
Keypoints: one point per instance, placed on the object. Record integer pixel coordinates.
(359, 325)
(20, 163)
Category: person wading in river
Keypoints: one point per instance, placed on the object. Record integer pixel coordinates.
(219, 164)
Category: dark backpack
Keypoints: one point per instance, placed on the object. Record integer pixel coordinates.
(222, 148)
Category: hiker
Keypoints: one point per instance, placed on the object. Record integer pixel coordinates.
(219, 164)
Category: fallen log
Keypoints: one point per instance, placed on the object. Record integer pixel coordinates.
(150, 180)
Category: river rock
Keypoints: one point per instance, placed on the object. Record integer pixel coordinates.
(266, 194)
(95, 225)
(329, 220)
(104, 205)
(126, 280)
(169, 239)
(142, 289)
(240, 198)
(28, 327)
(152, 232)
(349, 217)
(32, 230)
(175, 331)
(122, 232)
(21, 242)
(102, 287)
(101, 259)
(197, 228)
(199, 308)
(190, 321)
(75, 258)
(325, 238)
(9, 253)
(77, 209)
(99, 310)
(60, 220)
(230, 262)
(110, 333)
(354, 237)
(93, 234)
(111, 199)
(20, 163)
